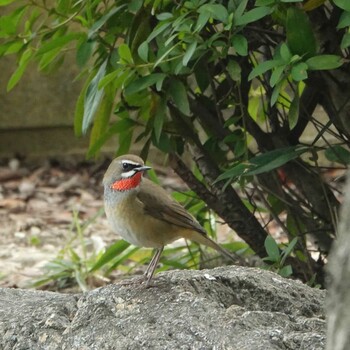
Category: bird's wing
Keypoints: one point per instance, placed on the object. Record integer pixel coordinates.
(157, 203)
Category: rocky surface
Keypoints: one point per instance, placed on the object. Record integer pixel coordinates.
(224, 308)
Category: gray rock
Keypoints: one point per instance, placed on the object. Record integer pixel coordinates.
(224, 308)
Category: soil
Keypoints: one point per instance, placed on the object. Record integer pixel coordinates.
(37, 205)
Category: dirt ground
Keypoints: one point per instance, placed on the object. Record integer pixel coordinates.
(36, 215)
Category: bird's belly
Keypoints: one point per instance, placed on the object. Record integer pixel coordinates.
(124, 230)
(142, 230)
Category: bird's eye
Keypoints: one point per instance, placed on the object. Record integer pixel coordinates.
(127, 166)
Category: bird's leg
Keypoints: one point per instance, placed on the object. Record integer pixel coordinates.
(149, 267)
(149, 271)
(153, 265)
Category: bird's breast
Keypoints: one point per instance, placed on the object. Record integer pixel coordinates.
(128, 219)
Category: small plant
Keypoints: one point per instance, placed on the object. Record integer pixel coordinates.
(313, 283)
(276, 256)
(73, 263)
(34, 240)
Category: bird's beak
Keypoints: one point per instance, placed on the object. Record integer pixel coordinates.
(142, 168)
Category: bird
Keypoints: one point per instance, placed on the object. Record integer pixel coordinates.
(144, 214)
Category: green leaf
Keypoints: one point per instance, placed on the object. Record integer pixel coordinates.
(343, 4)
(110, 77)
(262, 68)
(216, 11)
(122, 258)
(276, 92)
(263, 162)
(202, 75)
(285, 271)
(252, 15)
(300, 36)
(241, 8)
(145, 150)
(177, 92)
(344, 20)
(9, 24)
(124, 142)
(240, 44)
(324, 62)
(63, 7)
(272, 249)
(235, 172)
(143, 83)
(93, 97)
(99, 23)
(161, 27)
(299, 71)
(29, 25)
(189, 53)
(164, 143)
(170, 39)
(101, 119)
(84, 52)
(338, 154)
(114, 250)
(142, 51)
(287, 251)
(274, 159)
(79, 108)
(159, 118)
(138, 30)
(120, 127)
(80, 278)
(58, 42)
(285, 53)
(12, 47)
(5, 2)
(276, 75)
(125, 54)
(165, 54)
(234, 70)
(164, 16)
(23, 63)
(203, 19)
(48, 58)
(264, 2)
(135, 5)
(173, 264)
(345, 42)
(293, 114)
(291, 1)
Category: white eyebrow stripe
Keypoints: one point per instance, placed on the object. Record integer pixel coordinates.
(128, 174)
(131, 162)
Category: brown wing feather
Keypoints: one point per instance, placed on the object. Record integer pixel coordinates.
(160, 205)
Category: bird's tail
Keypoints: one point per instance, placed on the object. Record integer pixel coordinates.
(205, 240)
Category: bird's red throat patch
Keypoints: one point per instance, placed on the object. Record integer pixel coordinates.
(127, 184)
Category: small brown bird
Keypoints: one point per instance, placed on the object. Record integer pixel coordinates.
(144, 214)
